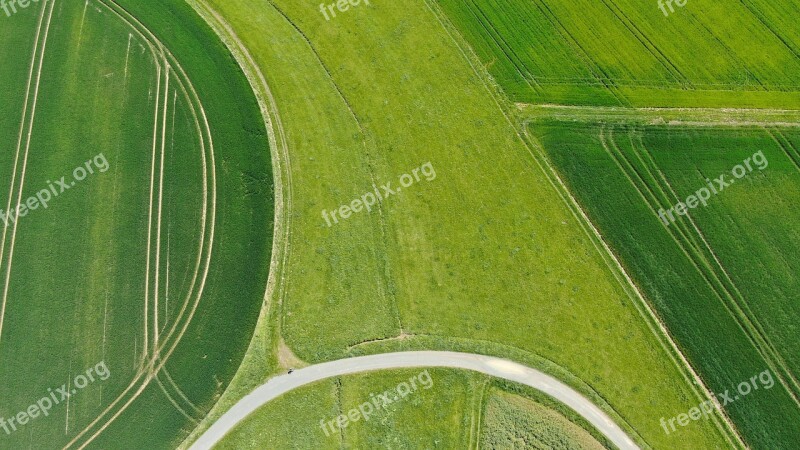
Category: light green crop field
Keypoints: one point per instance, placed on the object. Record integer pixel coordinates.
(475, 255)
(706, 272)
(457, 410)
(621, 52)
(139, 199)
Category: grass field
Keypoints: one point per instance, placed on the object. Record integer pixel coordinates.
(511, 422)
(459, 410)
(621, 52)
(483, 267)
(723, 281)
(144, 253)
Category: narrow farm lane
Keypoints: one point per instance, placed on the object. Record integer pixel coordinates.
(496, 367)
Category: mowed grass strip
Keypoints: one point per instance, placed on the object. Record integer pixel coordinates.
(477, 254)
(674, 272)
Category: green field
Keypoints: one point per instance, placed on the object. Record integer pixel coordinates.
(459, 410)
(621, 52)
(474, 257)
(552, 137)
(134, 266)
(706, 276)
(511, 422)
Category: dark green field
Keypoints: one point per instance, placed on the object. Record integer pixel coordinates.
(156, 265)
(725, 282)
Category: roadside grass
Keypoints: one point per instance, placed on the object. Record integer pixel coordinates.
(76, 295)
(617, 52)
(458, 411)
(513, 422)
(728, 295)
(488, 266)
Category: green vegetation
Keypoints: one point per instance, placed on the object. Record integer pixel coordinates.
(460, 410)
(513, 422)
(706, 276)
(620, 52)
(83, 286)
(484, 267)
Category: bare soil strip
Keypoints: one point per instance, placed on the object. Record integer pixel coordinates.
(695, 117)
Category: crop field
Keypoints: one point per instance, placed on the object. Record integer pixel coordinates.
(459, 410)
(410, 274)
(115, 256)
(706, 272)
(619, 52)
(559, 224)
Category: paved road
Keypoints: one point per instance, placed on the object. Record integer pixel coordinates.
(488, 365)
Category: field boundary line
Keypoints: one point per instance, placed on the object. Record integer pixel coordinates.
(652, 320)
(276, 134)
(282, 182)
(703, 117)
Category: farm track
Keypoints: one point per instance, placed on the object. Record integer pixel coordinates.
(276, 284)
(601, 76)
(495, 367)
(25, 121)
(790, 150)
(156, 359)
(689, 117)
(672, 70)
(518, 63)
(702, 257)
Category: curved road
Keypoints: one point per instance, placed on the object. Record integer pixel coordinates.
(488, 365)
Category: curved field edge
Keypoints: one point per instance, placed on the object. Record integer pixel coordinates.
(323, 127)
(444, 408)
(215, 341)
